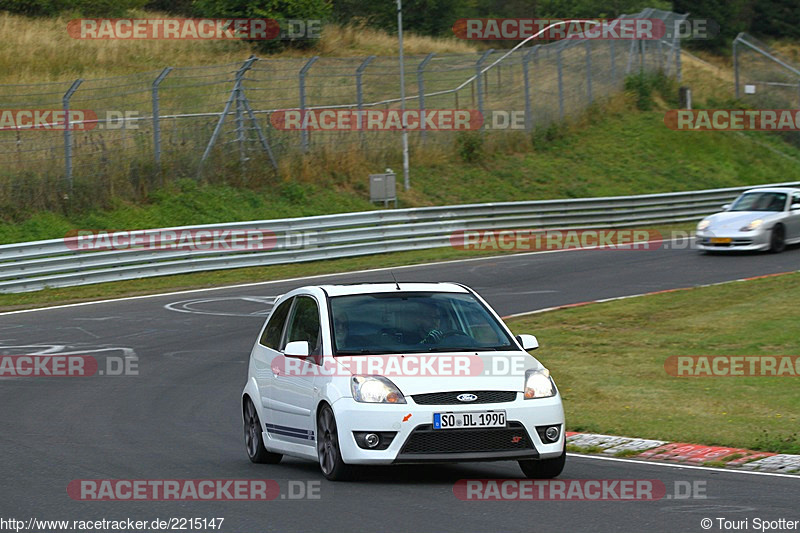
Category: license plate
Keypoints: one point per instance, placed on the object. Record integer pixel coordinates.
(720, 240)
(479, 419)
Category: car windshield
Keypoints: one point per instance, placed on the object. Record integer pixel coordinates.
(392, 323)
(760, 201)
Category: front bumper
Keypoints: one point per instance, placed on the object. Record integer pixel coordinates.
(739, 240)
(416, 441)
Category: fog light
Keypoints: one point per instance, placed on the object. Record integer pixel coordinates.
(551, 433)
(371, 439)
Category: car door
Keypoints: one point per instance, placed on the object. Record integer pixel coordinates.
(266, 351)
(294, 395)
(793, 219)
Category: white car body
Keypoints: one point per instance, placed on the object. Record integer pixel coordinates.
(288, 406)
(725, 231)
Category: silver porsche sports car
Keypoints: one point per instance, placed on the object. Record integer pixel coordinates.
(760, 219)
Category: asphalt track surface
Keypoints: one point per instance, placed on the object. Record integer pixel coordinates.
(179, 418)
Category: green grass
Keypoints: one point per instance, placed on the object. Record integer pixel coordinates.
(608, 360)
(619, 153)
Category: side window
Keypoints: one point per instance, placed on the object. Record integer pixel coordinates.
(304, 325)
(272, 333)
(796, 198)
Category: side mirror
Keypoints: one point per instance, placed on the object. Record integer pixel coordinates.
(795, 207)
(528, 342)
(726, 206)
(296, 349)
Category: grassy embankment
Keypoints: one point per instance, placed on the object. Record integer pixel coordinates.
(609, 364)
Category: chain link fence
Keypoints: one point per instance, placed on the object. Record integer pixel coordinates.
(213, 122)
(762, 77)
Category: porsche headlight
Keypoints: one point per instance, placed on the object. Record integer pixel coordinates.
(752, 225)
(375, 389)
(538, 384)
(703, 224)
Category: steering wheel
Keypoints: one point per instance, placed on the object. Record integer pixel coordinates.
(453, 333)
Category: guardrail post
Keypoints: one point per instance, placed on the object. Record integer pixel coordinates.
(302, 80)
(560, 65)
(157, 123)
(360, 96)
(526, 82)
(68, 132)
(479, 84)
(589, 69)
(421, 89)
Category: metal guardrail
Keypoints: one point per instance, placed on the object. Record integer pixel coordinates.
(32, 266)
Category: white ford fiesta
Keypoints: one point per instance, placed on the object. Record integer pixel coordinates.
(398, 373)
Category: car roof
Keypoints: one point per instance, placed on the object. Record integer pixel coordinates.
(370, 288)
(788, 190)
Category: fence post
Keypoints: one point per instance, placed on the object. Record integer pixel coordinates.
(678, 59)
(589, 69)
(156, 121)
(302, 79)
(360, 96)
(736, 64)
(642, 56)
(479, 84)
(526, 82)
(613, 61)
(421, 89)
(630, 57)
(68, 132)
(560, 69)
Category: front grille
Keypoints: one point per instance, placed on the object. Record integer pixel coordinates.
(450, 398)
(426, 440)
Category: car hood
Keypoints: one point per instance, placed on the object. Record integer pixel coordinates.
(733, 220)
(421, 373)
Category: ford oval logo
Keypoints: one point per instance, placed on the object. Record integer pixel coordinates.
(466, 397)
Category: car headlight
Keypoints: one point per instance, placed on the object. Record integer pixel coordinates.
(753, 225)
(703, 225)
(375, 389)
(538, 384)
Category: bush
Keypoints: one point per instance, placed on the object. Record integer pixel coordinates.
(642, 87)
(470, 146)
(274, 9)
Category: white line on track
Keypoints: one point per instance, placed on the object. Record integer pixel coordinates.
(365, 271)
(691, 467)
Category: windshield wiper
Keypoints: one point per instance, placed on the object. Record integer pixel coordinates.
(358, 352)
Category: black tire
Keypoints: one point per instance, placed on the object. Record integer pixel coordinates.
(543, 468)
(330, 456)
(777, 239)
(253, 441)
